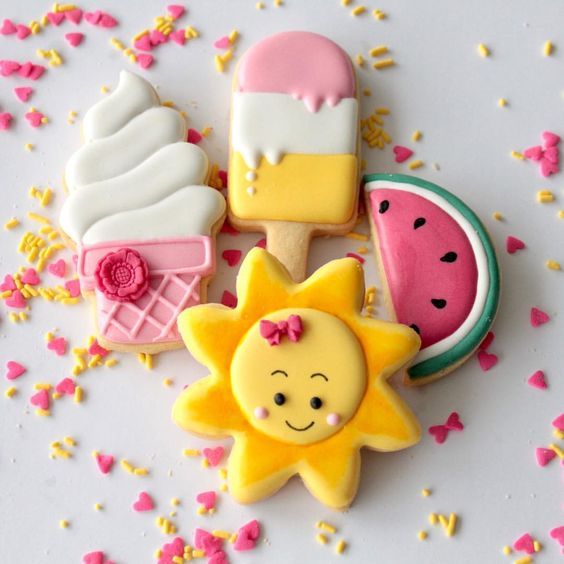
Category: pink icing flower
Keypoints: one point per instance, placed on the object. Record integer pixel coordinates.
(122, 276)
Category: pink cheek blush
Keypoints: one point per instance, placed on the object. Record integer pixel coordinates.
(261, 412)
(333, 419)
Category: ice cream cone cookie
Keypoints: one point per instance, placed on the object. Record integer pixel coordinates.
(139, 217)
(298, 378)
(439, 267)
(293, 169)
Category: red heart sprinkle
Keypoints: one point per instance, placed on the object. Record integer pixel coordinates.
(402, 153)
(538, 380)
(538, 317)
(439, 433)
(512, 245)
(544, 456)
(487, 360)
(232, 256)
(453, 422)
(525, 543)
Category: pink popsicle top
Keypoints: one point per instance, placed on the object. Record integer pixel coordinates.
(305, 65)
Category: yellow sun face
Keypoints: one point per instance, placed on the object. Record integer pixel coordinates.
(298, 379)
(298, 392)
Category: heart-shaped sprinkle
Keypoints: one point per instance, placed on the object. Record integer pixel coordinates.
(247, 536)
(74, 39)
(143, 43)
(8, 28)
(214, 455)
(96, 349)
(533, 153)
(96, 557)
(231, 256)
(512, 244)
(22, 31)
(175, 11)
(157, 37)
(219, 557)
(488, 340)
(16, 300)
(58, 268)
(107, 21)
(73, 286)
(194, 136)
(229, 229)
(66, 387)
(547, 168)
(228, 299)
(439, 433)
(25, 69)
(486, 360)
(207, 499)
(552, 154)
(144, 503)
(34, 118)
(23, 93)
(525, 543)
(558, 534)
(537, 380)
(74, 16)
(40, 399)
(174, 548)
(550, 139)
(36, 72)
(105, 462)
(222, 43)
(8, 284)
(207, 542)
(261, 243)
(538, 317)
(558, 423)
(55, 18)
(402, 153)
(93, 17)
(9, 67)
(58, 345)
(544, 456)
(178, 36)
(453, 422)
(14, 370)
(145, 60)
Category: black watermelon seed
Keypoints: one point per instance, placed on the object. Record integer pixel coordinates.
(419, 222)
(449, 257)
(384, 205)
(439, 304)
(415, 328)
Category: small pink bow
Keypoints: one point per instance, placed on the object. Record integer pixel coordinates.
(440, 432)
(273, 332)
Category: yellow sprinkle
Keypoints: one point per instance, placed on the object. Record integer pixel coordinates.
(517, 155)
(383, 111)
(191, 32)
(141, 358)
(345, 2)
(326, 527)
(502, 102)
(43, 412)
(497, 216)
(506, 550)
(207, 131)
(111, 362)
(321, 538)
(29, 147)
(141, 34)
(198, 553)
(13, 317)
(358, 10)
(98, 507)
(524, 560)
(422, 535)
(433, 519)
(149, 361)
(78, 394)
(222, 473)
(205, 463)
(11, 223)
(69, 441)
(141, 471)
(218, 63)
(63, 523)
(426, 492)
(449, 525)
(545, 196)
(233, 36)
(167, 382)
(38, 217)
(557, 450)
(558, 434)
(547, 49)
(383, 63)
(11, 392)
(378, 14)
(359, 60)
(340, 547)
(221, 534)
(104, 89)
(191, 452)
(537, 546)
(561, 214)
(201, 510)
(127, 466)
(41, 386)
(553, 265)
(356, 236)
(115, 42)
(415, 164)
(416, 135)
(223, 487)
(175, 502)
(362, 250)
(379, 50)
(483, 51)
(259, 6)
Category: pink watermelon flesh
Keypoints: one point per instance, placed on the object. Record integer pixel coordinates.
(428, 262)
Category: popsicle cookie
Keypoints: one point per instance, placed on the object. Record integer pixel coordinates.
(298, 378)
(439, 268)
(141, 220)
(293, 169)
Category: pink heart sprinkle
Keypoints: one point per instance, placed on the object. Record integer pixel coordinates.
(453, 422)
(58, 268)
(439, 433)
(214, 455)
(222, 43)
(73, 286)
(107, 21)
(93, 17)
(145, 60)
(22, 31)
(512, 245)
(178, 36)
(30, 277)
(144, 503)
(261, 243)
(207, 542)
(207, 499)
(547, 168)
(247, 536)
(40, 399)
(8, 284)
(95, 348)
(228, 228)
(552, 154)
(219, 557)
(558, 534)
(174, 548)
(96, 557)
(74, 39)
(550, 139)
(194, 136)
(55, 18)
(143, 43)
(74, 16)
(488, 340)
(525, 543)
(231, 256)
(223, 177)
(34, 118)
(66, 387)
(9, 67)
(157, 37)
(23, 93)
(8, 28)
(59, 345)
(104, 462)
(402, 153)
(544, 456)
(537, 380)
(14, 370)
(538, 317)
(36, 72)
(5, 120)
(175, 11)
(25, 70)
(486, 360)
(533, 153)
(558, 423)
(228, 299)
(16, 300)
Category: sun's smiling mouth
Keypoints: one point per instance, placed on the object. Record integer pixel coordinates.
(300, 428)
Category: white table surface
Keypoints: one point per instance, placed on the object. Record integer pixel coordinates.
(487, 474)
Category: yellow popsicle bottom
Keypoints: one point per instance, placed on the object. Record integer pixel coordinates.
(306, 188)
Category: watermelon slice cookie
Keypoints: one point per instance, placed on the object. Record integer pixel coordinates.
(440, 269)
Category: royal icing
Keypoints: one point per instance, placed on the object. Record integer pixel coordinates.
(440, 267)
(305, 400)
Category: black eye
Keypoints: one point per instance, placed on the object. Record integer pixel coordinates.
(279, 399)
(315, 402)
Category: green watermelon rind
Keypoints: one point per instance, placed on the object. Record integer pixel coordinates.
(470, 342)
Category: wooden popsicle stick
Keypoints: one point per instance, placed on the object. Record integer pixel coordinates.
(289, 242)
